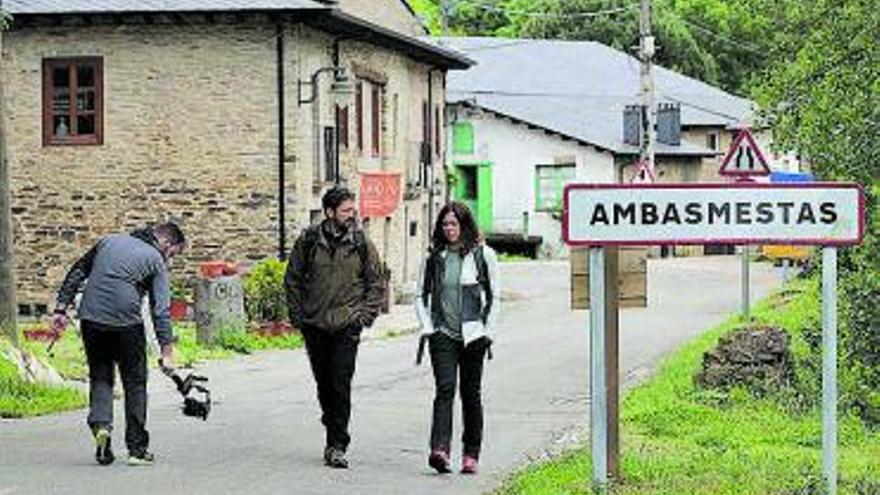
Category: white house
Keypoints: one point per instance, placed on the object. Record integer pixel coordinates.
(533, 115)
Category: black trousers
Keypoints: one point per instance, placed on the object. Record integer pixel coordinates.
(450, 357)
(108, 347)
(332, 356)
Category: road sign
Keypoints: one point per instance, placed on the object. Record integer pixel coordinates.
(644, 173)
(740, 213)
(744, 158)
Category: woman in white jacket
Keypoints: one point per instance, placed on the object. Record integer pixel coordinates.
(457, 302)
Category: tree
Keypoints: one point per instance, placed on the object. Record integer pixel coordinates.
(8, 307)
(822, 98)
(720, 42)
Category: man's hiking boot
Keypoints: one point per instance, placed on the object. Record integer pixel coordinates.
(103, 451)
(439, 460)
(335, 457)
(141, 458)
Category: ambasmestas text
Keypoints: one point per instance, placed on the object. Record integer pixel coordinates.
(714, 213)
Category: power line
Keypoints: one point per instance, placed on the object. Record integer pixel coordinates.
(739, 44)
(554, 15)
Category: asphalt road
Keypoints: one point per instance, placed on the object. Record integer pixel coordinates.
(264, 435)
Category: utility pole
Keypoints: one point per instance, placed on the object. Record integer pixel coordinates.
(8, 307)
(445, 11)
(646, 56)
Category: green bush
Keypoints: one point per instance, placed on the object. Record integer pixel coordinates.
(180, 291)
(264, 297)
(858, 330)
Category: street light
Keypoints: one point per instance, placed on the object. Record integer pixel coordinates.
(341, 87)
(340, 90)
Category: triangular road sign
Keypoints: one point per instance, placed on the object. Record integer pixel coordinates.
(744, 158)
(644, 174)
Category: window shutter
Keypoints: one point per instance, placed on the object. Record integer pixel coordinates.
(377, 120)
(342, 119)
(463, 138)
(359, 114)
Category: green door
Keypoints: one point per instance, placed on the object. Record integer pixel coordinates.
(473, 187)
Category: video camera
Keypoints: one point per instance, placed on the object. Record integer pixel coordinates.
(195, 406)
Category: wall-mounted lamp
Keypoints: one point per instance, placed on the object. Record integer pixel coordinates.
(341, 87)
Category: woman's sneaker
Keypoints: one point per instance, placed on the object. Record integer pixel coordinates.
(469, 464)
(439, 460)
(103, 451)
(142, 458)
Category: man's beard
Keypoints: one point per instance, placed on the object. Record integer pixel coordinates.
(340, 228)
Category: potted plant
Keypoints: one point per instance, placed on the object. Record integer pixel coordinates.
(180, 300)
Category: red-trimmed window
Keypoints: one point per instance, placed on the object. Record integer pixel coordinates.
(73, 101)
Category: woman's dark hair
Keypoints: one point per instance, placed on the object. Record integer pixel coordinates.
(335, 196)
(470, 233)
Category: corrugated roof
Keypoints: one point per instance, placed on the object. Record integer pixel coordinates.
(579, 89)
(24, 7)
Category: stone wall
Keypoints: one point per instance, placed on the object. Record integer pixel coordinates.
(191, 134)
(392, 14)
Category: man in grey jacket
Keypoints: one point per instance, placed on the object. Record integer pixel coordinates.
(118, 271)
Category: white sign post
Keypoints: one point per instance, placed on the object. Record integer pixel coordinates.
(825, 214)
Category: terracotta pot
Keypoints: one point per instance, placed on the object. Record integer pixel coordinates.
(212, 269)
(179, 309)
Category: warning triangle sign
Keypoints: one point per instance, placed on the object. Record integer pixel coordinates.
(744, 158)
(644, 174)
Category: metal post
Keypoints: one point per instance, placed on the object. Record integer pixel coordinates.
(829, 369)
(598, 424)
(646, 56)
(785, 264)
(525, 225)
(612, 360)
(746, 292)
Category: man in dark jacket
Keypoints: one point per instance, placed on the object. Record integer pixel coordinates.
(118, 271)
(334, 289)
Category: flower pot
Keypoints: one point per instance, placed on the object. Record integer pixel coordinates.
(179, 309)
(212, 269)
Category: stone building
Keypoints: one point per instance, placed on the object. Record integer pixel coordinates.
(229, 116)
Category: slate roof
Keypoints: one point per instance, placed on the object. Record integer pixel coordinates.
(121, 6)
(579, 89)
(322, 16)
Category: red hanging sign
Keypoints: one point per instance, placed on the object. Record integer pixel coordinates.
(379, 194)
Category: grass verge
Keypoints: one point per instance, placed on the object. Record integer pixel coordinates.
(19, 399)
(680, 440)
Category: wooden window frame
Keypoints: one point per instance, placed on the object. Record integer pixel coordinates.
(376, 119)
(49, 65)
(342, 120)
(438, 131)
(359, 114)
(559, 184)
